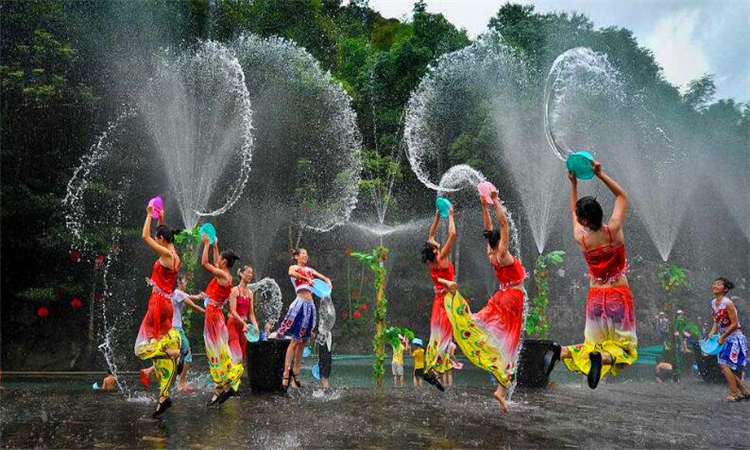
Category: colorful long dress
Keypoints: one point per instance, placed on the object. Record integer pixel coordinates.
(301, 317)
(490, 338)
(734, 353)
(224, 364)
(610, 314)
(156, 334)
(237, 338)
(441, 330)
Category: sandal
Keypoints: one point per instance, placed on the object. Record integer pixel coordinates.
(430, 378)
(224, 396)
(161, 407)
(215, 398)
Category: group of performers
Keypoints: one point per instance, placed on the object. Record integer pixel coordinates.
(162, 340)
(489, 338)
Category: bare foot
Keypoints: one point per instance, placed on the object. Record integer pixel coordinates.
(500, 397)
(187, 387)
(173, 352)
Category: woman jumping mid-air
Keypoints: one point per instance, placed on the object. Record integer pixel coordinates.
(224, 365)
(610, 342)
(490, 338)
(437, 258)
(157, 340)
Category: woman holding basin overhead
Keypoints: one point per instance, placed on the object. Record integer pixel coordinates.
(490, 338)
(224, 365)
(438, 262)
(299, 321)
(610, 342)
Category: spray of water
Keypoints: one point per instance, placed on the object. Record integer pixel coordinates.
(307, 143)
(588, 107)
(197, 109)
(268, 301)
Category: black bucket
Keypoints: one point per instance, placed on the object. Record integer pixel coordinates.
(707, 366)
(530, 372)
(265, 364)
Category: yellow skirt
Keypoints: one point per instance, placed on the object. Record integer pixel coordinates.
(610, 328)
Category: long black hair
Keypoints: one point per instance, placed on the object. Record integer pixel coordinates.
(728, 285)
(588, 208)
(493, 237)
(428, 252)
(168, 234)
(230, 257)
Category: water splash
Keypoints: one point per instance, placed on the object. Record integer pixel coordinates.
(460, 86)
(268, 301)
(76, 216)
(197, 109)
(307, 144)
(579, 82)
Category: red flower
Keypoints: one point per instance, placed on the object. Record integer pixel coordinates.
(357, 314)
(99, 259)
(364, 306)
(42, 312)
(75, 304)
(355, 293)
(348, 252)
(75, 256)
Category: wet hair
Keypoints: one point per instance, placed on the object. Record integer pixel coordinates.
(167, 233)
(492, 236)
(589, 209)
(728, 285)
(428, 252)
(295, 253)
(244, 268)
(230, 257)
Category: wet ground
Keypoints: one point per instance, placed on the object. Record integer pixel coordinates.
(63, 412)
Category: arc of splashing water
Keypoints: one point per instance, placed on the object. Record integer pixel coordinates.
(271, 293)
(210, 78)
(246, 150)
(79, 182)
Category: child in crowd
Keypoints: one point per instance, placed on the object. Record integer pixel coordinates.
(418, 355)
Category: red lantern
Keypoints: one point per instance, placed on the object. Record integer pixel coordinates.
(99, 259)
(364, 306)
(75, 256)
(75, 304)
(357, 314)
(42, 312)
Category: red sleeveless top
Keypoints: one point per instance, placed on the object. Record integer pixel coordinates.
(607, 263)
(243, 306)
(444, 273)
(217, 292)
(163, 278)
(510, 275)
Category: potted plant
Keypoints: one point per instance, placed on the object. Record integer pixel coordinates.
(530, 367)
